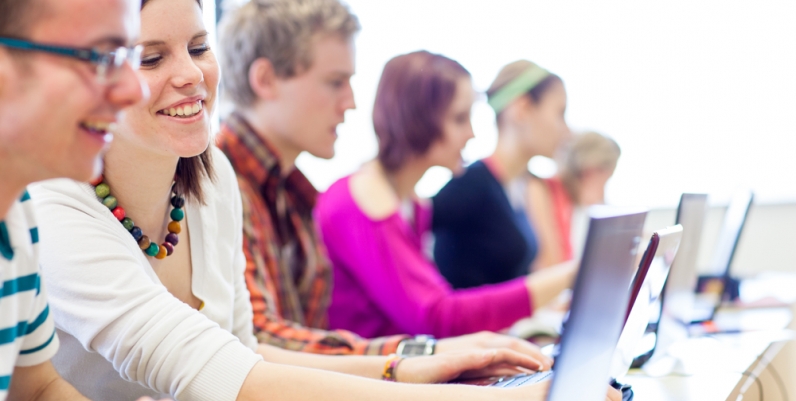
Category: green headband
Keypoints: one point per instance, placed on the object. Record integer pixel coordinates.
(517, 87)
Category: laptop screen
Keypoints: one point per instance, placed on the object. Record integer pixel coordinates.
(639, 335)
(598, 307)
(714, 290)
(691, 215)
(727, 243)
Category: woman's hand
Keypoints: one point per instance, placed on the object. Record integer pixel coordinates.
(464, 365)
(486, 340)
(546, 284)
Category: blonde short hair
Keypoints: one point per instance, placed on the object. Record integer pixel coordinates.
(590, 150)
(587, 151)
(280, 31)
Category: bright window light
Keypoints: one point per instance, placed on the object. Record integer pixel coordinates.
(701, 96)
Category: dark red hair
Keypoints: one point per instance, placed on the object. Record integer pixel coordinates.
(414, 94)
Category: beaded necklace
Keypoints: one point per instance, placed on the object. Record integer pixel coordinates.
(103, 192)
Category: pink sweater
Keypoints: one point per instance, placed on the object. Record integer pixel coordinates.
(385, 285)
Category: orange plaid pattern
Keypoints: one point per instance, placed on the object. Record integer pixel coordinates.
(287, 272)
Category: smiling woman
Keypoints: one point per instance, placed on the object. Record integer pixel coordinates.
(190, 170)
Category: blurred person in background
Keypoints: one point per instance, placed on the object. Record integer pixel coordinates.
(482, 231)
(558, 204)
(288, 65)
(373, 223)
(66, 71)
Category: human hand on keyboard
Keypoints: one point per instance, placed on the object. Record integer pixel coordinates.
(449, 366)
(487, 340)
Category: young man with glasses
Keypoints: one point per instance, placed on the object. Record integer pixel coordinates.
(65, 73)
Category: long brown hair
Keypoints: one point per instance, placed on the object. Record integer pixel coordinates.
(191, 170)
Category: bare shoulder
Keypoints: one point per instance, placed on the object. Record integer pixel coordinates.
(539, 195)
(372, 193)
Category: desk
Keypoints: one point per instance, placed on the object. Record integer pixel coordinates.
(720, 367)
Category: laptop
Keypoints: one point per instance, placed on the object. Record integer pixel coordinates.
(639, 337)
(599, 302)
(679, 289)
(702, 306)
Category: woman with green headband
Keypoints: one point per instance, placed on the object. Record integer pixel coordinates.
(482, 231)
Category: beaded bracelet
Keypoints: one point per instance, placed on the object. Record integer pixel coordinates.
(389, 367)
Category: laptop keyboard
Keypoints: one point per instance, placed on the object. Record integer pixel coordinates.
(523, 379)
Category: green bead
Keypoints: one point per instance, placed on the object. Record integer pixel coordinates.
(110, 202)
(102, 190)
(128, 223)
(153, 249)
(177, 214)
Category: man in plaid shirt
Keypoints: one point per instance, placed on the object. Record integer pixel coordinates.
(287, 67)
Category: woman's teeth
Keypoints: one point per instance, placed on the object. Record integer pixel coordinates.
(183, 111)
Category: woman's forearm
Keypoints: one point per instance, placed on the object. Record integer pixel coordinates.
(291, 383)
(546, 284)
(365, 366)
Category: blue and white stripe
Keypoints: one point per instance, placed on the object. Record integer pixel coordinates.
(27, 330)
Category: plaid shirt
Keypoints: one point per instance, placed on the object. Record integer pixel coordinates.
(287, 272)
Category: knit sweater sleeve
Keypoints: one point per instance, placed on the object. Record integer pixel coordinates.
(102, 294)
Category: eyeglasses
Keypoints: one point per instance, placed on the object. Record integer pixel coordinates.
(108, 63)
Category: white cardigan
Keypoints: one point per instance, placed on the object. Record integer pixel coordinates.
(123, 335)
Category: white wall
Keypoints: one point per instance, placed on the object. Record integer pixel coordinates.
(768, 241)
(701, 96)
(707, 87)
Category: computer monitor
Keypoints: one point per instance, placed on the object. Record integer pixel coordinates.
(691, 214)
(715, 291)
(678, 294)
(679, 298)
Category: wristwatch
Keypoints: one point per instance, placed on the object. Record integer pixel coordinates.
(418, 346)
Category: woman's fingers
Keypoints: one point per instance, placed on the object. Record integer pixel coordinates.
(497, 362)
(492, 372)
(472, 364)
(613, 394)
(503, 356)
(526, 348)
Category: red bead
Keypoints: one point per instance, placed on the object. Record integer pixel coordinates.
(118, 213)
(172, 238)
(169, 248)
(97, 180)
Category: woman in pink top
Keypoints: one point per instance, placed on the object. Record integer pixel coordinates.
(373, 224)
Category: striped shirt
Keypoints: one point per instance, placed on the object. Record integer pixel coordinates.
(27, 331)
(287, 271)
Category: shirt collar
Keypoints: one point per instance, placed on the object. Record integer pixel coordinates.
(257, 161)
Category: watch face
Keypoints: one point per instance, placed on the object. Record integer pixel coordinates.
(414, 348)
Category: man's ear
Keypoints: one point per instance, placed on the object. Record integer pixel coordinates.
(262, 79)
